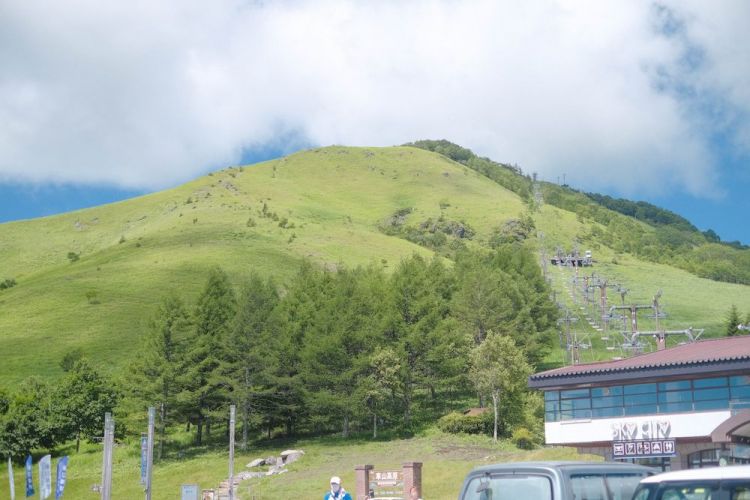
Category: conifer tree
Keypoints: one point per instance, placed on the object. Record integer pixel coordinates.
(733, 321)
(339, 342)
(419, 297)
(249, 354)
(291, 319)
(206, 390)
(156, 373)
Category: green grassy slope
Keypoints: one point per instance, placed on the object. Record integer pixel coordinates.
(446, 460)
(335, 197)
(134, 252)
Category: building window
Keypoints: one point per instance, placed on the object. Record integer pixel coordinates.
(704, 458)
(676, 396)
(713, 458)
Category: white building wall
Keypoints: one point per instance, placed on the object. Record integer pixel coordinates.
(677, 425)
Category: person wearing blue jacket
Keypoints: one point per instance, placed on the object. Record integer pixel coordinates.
(337, 491)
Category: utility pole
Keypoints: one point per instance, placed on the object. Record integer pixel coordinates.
(109, 440)
(150, 450)
(231, 452)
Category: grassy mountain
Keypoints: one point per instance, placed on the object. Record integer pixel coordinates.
(89, 279)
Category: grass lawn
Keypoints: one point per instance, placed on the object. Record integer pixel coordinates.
(446, 460)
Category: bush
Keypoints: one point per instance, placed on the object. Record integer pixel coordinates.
(92, 296)
(455, 423)
(523, 438)
(8, 283)
(73, 257)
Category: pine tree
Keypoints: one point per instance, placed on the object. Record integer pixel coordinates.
(205, 389)
(155, 375)
(419, 297)
(733, 321)
(247, 362)
(338, 344)
(290, 320)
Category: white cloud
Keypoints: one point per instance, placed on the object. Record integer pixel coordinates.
(147, 94)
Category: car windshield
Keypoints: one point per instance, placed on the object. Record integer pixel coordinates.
(604, 486)
(509, 487)
(694, 490)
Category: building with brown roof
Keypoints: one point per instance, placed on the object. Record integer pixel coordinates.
(684, 407)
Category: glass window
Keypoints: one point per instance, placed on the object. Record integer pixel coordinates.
(575, 404)
(615, 390)
(675, 396)
(710, 382)
(551, 395)
(739, 380)
(574, 393)
(615, 411)
(578, 414)
(706, 394)
(643, 492)
(551, 416)
(701, 491)
(551, 405)
(675, 407)
(502, 487)
(640, 409)
(674, 386)
(717, 404)
(590, 487)
(639, 389)
(622, 486)
(606, 401)
(640, 399)
(739, 490)
(741, 392)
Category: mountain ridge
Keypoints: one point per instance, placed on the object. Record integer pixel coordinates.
(89, 279)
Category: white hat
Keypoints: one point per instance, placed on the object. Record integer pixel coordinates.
(336, 480)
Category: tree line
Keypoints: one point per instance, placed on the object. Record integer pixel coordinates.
(350, 350)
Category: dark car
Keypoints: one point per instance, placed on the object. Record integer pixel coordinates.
(554, 481)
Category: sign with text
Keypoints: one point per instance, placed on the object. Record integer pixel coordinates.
(644, 448)
(386, 483)
(648, 429)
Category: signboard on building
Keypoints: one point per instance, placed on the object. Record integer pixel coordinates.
(386, 484)
(644, 448)
(658, 427)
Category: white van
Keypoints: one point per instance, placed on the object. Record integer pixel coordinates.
(714, 483)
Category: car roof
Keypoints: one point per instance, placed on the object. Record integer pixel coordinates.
(558, 465)
(729, 472)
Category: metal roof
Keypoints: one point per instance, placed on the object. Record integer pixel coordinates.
(697, 354)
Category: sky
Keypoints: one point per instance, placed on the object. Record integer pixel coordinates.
(104, 100)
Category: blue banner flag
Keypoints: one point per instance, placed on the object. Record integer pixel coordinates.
(45, 476)
(29, 478)
(62, 474)
(144, 457)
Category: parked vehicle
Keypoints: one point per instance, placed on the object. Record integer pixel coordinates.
(714, 483)
(554, 481)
